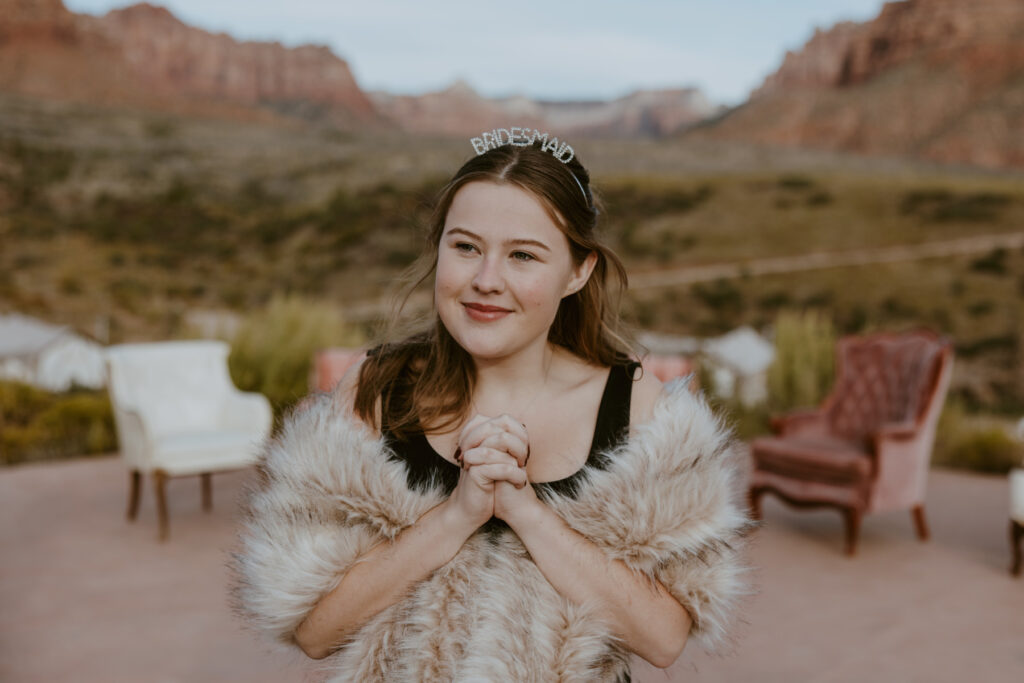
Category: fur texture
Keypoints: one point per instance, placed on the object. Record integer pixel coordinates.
(328, 492)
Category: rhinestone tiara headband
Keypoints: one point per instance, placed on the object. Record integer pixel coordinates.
(524, 137)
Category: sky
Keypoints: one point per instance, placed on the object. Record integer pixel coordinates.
(568, 50)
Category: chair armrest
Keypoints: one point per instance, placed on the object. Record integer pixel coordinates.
(896, 431)
(1017, 495)
(901, 452)
(801, 422)
(247, 411)
(133, 438)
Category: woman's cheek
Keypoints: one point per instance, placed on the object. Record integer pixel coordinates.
(447, 278)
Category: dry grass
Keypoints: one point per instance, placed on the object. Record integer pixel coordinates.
(142, 218)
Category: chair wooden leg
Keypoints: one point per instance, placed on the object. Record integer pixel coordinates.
(134, 494)
(205, 478)
(1016, 535)
(920, 523)
(159, 482)
(852, 530)
(754, 499)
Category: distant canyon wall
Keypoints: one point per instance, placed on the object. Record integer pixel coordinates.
(941, 80)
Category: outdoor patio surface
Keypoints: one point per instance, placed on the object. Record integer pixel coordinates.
(87, 596)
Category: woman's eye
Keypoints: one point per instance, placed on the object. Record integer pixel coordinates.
(465, 247)
(522, 256)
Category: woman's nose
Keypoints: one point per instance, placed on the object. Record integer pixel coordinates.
(488, 277)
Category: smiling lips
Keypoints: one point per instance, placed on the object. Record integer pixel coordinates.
(484, 313)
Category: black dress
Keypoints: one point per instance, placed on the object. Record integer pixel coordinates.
(425, 466)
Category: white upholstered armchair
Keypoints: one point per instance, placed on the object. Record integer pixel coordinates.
(177, 413)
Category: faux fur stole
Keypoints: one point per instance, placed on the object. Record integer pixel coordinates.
(667, 506)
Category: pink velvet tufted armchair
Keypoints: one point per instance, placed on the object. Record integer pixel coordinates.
(867, 448)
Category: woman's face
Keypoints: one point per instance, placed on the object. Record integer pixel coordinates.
(503, 266)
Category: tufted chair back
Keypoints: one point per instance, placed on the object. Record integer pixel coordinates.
(882, 379)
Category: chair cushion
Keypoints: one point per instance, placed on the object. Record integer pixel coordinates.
(821, 459)
(205, 451)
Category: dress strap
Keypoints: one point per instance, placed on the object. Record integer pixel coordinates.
(613, 415)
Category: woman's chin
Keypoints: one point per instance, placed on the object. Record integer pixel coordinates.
(482, 349)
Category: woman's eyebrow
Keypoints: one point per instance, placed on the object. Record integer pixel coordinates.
(526, 242)
(509, 243)
(465, 232)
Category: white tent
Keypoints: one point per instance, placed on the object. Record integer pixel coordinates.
(740, 361)
(51, 357)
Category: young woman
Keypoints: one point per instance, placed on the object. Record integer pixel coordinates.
(505, 496)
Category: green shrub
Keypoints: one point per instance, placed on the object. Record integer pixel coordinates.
(941, 205)
(974, 443)
(978, 207)
(81, 423)
(720, 295)
(774, 300)
(977, 309)
(796, 182)
(914, 200)
(161, 129)
(39, 425)
(272, 352)
(70, 285)
(994, 262)
(978, 347)
(804, 366)
(20, 402)
(820, 198)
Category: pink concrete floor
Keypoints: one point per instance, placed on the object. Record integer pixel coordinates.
(87, 596)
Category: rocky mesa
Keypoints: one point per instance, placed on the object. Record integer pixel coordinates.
(143, 55)
(459, 108)
(941, 80)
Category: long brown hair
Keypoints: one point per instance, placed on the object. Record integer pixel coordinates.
(426, 380)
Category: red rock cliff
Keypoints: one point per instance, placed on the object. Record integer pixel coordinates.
(179, 58)
(143, 55)
(936, 79)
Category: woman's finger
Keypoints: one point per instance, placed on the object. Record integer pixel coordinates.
(474, 431)
(488, 474)
(509, 443)
(513, 426)
(477, 430)
(483, 455)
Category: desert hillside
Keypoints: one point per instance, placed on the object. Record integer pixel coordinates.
(143, 56)
(941, 80)
(459, 108)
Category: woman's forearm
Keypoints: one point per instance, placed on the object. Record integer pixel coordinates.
(381, 577)
(648, 619)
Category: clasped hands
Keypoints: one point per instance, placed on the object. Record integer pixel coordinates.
(493, 452)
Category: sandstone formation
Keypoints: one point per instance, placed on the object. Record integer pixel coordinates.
(143, 56)
(38, 18)
(181, 59)
(935, 79)
(459, 108)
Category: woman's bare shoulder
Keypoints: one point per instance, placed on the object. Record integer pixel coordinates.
(344, 395)
(647, 388)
